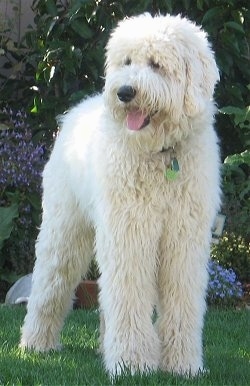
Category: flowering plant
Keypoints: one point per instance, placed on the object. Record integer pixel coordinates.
(223, 286)
(21, 162)
(233, 251)
(18, 155)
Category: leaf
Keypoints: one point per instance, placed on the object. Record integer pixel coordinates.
(230, 110)
(52, 72)
(200, 5)
(17, 68)
(82, 29)
(3, 126)
(51, 7)
(36, 105)
(35, 200)
(73, 11)
(10, 46)
(241, 114)
(52, 24)
(13, 197)
(210, 15)
(245, 192)
(78, 56)
(7, 215)
(234, 25)
(34, 109)
(77, 96)
(238, 159)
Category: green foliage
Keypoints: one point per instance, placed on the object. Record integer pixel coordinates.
(93, 271)
(236, 189)
(233, 251)
(228, 28)
(241, 122)
(238, 159)
(65, 53)
(7, 215)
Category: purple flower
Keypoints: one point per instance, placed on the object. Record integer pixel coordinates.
(223, 283)
(21, 162)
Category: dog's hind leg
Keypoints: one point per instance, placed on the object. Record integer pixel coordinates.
(63, 253)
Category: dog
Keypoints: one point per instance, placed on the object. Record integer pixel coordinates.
(134, 176)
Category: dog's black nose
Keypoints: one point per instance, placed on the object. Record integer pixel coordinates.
(126, 93)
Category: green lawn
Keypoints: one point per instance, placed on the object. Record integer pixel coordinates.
(226, 341)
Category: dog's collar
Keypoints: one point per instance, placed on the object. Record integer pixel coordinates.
(166, 149)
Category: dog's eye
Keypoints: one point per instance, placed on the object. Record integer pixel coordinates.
(153, 64)
(127, 62)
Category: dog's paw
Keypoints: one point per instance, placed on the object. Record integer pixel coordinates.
(125, 368)
(39, 345)
(185, 371)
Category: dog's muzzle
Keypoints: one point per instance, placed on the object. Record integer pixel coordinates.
(126, 93)
(135, 119)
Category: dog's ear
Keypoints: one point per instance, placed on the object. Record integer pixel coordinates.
(201, 77)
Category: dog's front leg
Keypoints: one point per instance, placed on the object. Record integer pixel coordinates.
(182, 291)
(127, 256)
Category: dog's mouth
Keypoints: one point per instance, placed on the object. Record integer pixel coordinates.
(137, 120)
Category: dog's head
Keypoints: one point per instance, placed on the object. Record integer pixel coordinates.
(159, 72)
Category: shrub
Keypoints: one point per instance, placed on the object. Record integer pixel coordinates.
(21, 162)
(233, 252)
(223, 286)
(236, 189)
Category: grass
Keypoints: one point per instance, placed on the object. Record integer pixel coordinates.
(226, 339)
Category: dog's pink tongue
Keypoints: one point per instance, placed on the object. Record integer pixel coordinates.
(135, 120)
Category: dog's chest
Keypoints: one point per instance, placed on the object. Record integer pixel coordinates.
(141, 178)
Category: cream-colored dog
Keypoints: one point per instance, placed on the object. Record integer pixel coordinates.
(134, 175)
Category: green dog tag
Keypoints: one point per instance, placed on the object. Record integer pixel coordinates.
(172, 173)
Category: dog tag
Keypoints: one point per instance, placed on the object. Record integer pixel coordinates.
(172, 173)
(175, 165)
